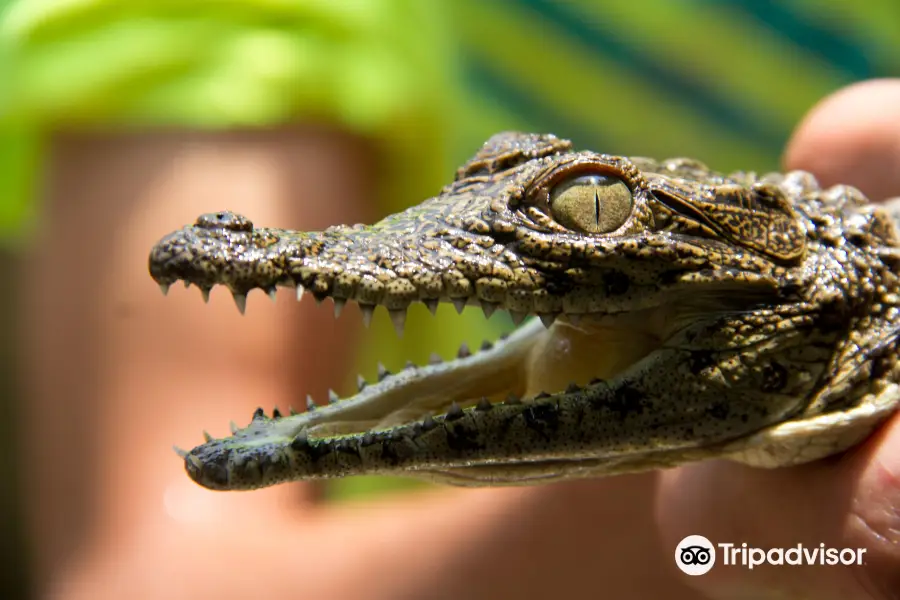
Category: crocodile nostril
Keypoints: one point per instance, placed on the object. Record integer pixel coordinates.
(224, 220)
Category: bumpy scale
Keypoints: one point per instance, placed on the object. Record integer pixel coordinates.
(682, 315)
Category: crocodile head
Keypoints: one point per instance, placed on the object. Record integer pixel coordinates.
(672, 308)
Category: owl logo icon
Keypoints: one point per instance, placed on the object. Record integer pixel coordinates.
(695, 555)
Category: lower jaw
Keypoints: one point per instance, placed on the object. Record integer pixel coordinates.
(531, 364)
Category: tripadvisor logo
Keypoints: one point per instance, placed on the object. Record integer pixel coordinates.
(696, 555)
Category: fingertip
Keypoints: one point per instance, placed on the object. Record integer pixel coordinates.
(852, 137)
(875, 512)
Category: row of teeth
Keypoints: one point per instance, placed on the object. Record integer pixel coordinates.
(397, 316)
(383, 373)
(453, 412)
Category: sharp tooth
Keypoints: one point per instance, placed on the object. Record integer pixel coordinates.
(428, 423)
(517, 316)
(234, 428)
(333, 397)
(435, 359)
(207, 437)
(300, 292)
(164, 288)
(513, 399)
(300, 441)
(382, 372)
(547, 319)
(241, 301)
(488, 309)
(409, 365)
(310, 403)
(187, 284)
(432, 305)
(259, 413)
(338, 306)
(398, 318)
(464, 351)
(484, 404)
(367, 311)
(340, 445)
(454, 412)
(486, 345)
(272, 293)
(204, 292)
(180, 452)
(276, 414)
(459, 304)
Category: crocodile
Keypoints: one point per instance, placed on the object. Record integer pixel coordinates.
(666, 313)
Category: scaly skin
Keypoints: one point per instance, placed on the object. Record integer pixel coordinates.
(682, 315)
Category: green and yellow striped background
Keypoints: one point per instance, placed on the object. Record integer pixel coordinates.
(724, 81)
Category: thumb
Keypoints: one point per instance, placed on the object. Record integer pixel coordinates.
(852, 137)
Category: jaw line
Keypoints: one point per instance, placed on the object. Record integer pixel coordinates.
(495, 372)
(532, 360)
(538, 359)
(418, 398)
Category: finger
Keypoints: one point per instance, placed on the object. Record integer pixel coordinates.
(853, 137)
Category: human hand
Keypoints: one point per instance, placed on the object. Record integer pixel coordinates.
(852, 500)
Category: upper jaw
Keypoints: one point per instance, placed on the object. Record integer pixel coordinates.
(381, 265)
(400, 261)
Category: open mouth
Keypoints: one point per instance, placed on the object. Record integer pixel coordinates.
(540, 360)
(517, 402)
(578, 243)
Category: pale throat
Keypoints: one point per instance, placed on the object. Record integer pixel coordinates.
(568, 353)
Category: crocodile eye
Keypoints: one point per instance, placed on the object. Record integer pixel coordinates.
(591, 203)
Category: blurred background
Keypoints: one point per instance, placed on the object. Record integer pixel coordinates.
(424, 83)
